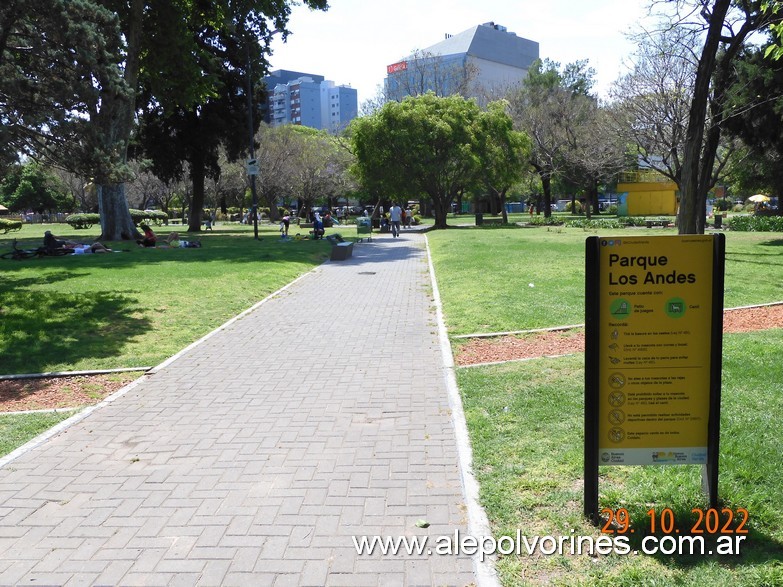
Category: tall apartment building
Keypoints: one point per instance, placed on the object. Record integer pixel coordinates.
(482, 62)
(309, 100)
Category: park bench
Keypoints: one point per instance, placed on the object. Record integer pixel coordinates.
(341, 248)
(305, 225)
(493, 220)
(661, 223)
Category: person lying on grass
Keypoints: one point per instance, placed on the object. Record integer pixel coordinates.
(173, 241)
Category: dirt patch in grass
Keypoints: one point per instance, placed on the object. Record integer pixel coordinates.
(18, 395)
(69, 392)
(548, 344)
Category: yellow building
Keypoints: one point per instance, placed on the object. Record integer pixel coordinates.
(646, 194)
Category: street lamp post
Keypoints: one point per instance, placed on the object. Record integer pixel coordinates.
(252, 166)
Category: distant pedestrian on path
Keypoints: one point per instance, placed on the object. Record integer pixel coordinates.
(395, 216)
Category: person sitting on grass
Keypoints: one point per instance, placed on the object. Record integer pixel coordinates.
(149, 238)
(52, 243)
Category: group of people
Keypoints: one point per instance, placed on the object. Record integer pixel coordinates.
(399, 217)
(56, 245)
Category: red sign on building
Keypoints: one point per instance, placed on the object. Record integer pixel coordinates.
(395, 67)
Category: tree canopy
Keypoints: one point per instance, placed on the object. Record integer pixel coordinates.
(430, 147)
(56, 57)
(100, 60)
(725, 26)
(549, 107)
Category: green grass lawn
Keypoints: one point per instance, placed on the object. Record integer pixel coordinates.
(16, 429)
(135, 308)
(526, 427)
(502, 279)
(526, 419)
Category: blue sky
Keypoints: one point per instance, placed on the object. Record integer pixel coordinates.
(354, 41)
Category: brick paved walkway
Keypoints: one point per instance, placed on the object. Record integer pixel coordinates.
(254, 457)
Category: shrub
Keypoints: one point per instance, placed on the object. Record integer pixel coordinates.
(81, 221)
(9, 225)
(594, 223)
(612, 209)
(756, 223)
(633, 221)
(543, 221)
(577, 205)
(155, 217)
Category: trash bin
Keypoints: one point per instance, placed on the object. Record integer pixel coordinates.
(718, 220)
(364, 226)
(479, 218)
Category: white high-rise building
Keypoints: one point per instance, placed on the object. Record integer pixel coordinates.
(309, 100)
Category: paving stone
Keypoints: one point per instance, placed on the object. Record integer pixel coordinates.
(253, 458)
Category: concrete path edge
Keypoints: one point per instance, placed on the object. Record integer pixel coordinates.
(478, 523)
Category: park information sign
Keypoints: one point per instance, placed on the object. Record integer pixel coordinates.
(653, 330)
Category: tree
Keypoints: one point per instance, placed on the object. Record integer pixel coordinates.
(31, 187)
(595, 151)
(503, 153)
(424, 146)
(543, 108)
(726, 27)
(55, 56)
(652, 100)
(179, 50)
(425, 72)
(279, 152)
(193, 121)
(757, 122)
(78, 187)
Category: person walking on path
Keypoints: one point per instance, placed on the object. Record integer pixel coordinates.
(395, 216)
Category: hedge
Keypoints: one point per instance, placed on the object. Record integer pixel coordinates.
(756, 223)
(9, 225)
(86, 220)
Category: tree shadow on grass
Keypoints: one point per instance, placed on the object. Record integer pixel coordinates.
(41, 329)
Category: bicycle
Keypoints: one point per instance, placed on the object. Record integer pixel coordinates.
(18, 254)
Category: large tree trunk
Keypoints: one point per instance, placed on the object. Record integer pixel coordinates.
(197, 175)
(503, 210)
(690, 198)
(546, 184)
(591, 198)
(116, 221)
(440, 207)
(115, 121)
